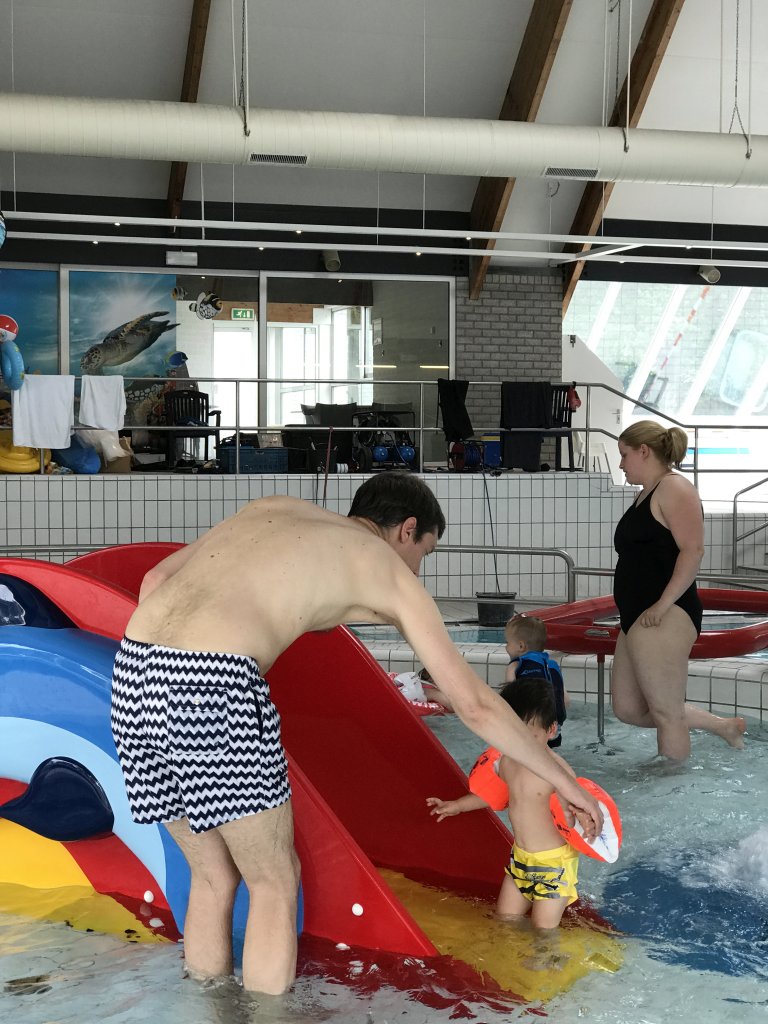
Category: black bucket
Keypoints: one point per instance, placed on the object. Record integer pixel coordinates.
(495, 609)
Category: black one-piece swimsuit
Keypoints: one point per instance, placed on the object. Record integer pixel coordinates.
(647, 554)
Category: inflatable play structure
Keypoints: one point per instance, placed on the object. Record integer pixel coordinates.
(11, 359)
(377, 871)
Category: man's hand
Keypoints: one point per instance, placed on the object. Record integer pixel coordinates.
(586, 809)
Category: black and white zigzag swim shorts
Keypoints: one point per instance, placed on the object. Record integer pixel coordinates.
(197, 735)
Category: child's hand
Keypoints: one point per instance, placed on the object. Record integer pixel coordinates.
(586, 822)
(443, 808)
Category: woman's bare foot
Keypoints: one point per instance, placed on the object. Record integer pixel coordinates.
(732, 731)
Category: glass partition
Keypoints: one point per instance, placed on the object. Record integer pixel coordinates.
(385, 334)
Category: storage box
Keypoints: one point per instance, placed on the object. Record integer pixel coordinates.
(255, 460)
(122, 464)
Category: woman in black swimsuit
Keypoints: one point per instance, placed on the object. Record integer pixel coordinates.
(660, 543)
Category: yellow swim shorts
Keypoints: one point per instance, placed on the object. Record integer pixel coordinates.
(546, 874)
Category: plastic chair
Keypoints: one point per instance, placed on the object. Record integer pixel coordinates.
(560, 428)
(189, 414)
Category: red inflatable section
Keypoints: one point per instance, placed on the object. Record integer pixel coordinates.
(124, 565)
(362, 765)
(92, 604)
(577, 628)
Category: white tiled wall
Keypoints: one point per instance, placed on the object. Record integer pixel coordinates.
(574, 511)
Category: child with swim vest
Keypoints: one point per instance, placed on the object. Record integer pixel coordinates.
(526, 638)
(542, 873)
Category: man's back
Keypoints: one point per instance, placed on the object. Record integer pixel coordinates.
(256, 581)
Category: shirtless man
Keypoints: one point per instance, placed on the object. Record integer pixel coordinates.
(203, 755)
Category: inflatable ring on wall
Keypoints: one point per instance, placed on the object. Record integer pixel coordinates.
(11, 364)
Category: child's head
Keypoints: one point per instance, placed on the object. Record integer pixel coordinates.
(532, 698)
(525, 633)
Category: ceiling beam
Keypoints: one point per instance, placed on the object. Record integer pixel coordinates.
(198, 29)
(646, 61)
(521, 103)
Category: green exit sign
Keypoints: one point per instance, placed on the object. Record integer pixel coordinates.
(242, 314)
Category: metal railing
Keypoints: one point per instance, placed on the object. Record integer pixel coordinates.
(735, 535)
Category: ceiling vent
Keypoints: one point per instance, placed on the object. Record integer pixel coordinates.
(277, 158)
(571, 172)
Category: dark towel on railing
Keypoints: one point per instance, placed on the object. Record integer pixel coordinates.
(524, 404)
(451, 395)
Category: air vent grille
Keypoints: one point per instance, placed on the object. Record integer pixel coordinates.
(570, 172)
(277, 158)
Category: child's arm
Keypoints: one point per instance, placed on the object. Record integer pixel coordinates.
(447, 808)
(511, 674)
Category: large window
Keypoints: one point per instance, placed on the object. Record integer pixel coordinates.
(342, 340)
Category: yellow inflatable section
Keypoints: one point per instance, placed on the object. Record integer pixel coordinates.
(534, 965)
(40, 879)
(19, 460)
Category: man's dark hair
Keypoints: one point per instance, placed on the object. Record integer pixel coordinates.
(389, 498)
(532, 698)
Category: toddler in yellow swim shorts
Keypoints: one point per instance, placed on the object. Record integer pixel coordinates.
(542, 873)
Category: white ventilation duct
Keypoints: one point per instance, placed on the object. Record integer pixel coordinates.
(197, 133)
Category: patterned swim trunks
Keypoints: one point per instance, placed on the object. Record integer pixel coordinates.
(546, 874)
(197, 735)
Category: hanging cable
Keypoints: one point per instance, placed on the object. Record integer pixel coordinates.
(629, 75)
(424, 105)
(243, 97)
(736, 113)
(13, 90)
(202, 203)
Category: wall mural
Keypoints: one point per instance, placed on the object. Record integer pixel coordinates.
(122, 323)
(31, 298)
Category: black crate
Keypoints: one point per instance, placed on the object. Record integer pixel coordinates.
(255, 460)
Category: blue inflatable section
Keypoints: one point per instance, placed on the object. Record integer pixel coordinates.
(55, 703)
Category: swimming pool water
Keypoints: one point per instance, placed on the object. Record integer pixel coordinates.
(471, 634)
(690, 890)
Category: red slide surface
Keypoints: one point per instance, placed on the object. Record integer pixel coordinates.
(361, 764)
(575, 628)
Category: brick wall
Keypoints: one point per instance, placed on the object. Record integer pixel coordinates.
(512, 332)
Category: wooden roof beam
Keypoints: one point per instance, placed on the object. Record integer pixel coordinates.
(646, 61)
(198, 30)
(521, 103)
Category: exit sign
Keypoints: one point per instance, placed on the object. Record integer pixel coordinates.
(242, 314)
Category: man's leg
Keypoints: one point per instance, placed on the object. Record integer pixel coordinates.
(261, 846)
(208, 924)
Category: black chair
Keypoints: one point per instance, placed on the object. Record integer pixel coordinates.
(326, 414)
(562, 414)
(189, 414)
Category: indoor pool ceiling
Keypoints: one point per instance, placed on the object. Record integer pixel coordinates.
(697, 66)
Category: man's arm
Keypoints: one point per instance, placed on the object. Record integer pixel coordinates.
(478, 706)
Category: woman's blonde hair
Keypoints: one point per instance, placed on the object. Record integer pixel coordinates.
(668, 445)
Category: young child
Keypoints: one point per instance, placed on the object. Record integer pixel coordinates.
(526, 638)
(542, 872)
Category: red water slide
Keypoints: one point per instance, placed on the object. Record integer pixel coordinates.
(362, 766)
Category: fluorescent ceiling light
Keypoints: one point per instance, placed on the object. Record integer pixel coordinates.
(427, 366)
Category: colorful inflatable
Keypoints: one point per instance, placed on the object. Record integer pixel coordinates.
(71, 850)
(19, 460)
(11, 360)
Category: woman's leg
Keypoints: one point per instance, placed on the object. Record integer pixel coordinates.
(658, 656)
(629, 704)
